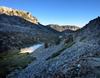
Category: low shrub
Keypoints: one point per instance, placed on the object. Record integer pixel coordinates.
(60, 51)
(82, 39)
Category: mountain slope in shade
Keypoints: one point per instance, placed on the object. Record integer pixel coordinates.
(19, 29)
(76, 57)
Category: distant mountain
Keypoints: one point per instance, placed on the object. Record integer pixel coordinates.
(63, 27)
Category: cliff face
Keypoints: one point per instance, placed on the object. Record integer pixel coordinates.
(14, 12)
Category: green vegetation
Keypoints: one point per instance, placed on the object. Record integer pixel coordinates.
(56, 54)
(12, 61)
(69, 44)
(60, 51)
(82, 39)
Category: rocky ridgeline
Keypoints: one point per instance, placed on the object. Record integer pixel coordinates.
(23, 14)
(63, 27)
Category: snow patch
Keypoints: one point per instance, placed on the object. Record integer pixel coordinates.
(31, 48)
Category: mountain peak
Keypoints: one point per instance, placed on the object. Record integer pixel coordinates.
(21, 13)
(95, 21)
(98, 19)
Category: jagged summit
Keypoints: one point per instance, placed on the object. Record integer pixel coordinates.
(14, 12)
(96, 20)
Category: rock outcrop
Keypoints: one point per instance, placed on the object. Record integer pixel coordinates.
(14, 12)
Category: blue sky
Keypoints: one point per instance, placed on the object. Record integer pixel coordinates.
(70, 12)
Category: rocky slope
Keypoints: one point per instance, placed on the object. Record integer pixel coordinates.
(78, 56)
